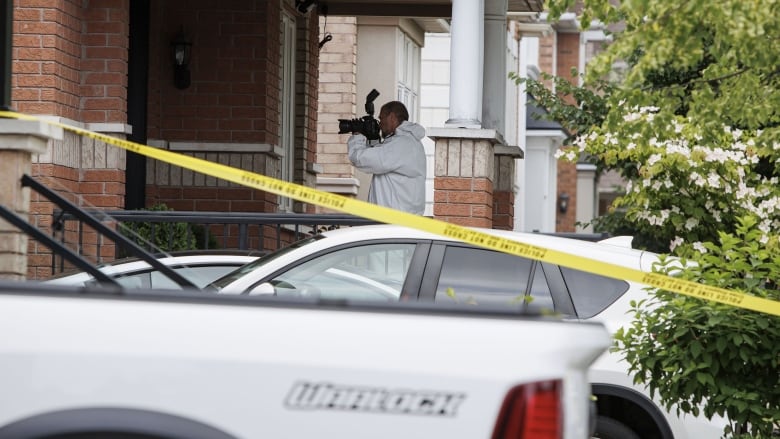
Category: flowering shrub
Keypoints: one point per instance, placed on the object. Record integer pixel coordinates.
(690, 183)
(698, 191)
(694, 126)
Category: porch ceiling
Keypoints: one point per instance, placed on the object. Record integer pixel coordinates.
(427, 13)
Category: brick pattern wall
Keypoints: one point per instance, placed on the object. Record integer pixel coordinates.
(47, 57)
(235, 82)
(503, 192)
(567, 53)
(101, 188)
(337, 95)
(103, 89)
(70, 60)
(504, 210)
(306, 97)
(568, 57)
(466, 201)
(184, 189)
(233, 98)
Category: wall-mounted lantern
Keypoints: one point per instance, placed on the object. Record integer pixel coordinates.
(563, 202)
(182, 49)
(303, 6)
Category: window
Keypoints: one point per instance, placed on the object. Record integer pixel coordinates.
(592, 293)
(198, 275)
(408, 88)
(369, 272)
(477, 276)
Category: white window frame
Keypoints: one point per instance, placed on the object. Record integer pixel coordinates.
(287, 109)
(408, 73)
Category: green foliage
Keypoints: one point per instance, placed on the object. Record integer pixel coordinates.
(577, 109)
(160, 236)
(694, 126)
(710, 358)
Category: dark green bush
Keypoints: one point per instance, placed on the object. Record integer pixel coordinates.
(166, 236)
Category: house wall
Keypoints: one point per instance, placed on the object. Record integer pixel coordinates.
(70, 63)
(558, 54)
(337, 100)
(229, 114)
(568, 56)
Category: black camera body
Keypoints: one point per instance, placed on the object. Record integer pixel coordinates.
(366, 125)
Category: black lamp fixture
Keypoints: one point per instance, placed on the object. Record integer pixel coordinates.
(182, 50)
(303, 6)
(563, 202)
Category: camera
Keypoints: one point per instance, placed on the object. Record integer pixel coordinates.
(366, 125)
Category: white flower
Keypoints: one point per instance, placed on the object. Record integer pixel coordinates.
(696, 178)
(713, 180)
(653, 159)
(675, 242)
(698, 246)
(691, 223)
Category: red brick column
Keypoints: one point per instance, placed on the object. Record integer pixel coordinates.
(465, 201)
(464, 175)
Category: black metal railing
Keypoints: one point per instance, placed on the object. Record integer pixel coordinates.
(206, 230)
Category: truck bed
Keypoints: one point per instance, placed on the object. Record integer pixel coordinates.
(192, 364)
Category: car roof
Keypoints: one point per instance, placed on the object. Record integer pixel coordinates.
(605, 251)
(189, 257)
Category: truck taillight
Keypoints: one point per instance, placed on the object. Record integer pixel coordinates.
(531, 411)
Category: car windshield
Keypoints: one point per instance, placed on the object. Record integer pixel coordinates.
(248, 268)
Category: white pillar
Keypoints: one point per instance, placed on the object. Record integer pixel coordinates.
(466, 63)
(494, 84)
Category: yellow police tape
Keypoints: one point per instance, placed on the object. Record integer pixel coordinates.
(392, 216)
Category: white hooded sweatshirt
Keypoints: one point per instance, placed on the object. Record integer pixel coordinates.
(397, 165)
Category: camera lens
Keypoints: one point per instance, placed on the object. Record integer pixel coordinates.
(347, 126)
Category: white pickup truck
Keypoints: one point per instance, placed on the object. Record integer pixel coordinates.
(81, 363)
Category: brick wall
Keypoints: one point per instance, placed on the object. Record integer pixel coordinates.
(306, 102)
(568, 57)
(70, 60)
(47, 57)
(234, 91)
(466, 201)
(337, 95)
(234, 97)
(103, 87)
(565, 47)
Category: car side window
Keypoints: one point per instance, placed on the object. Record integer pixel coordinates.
(135, 281)
(540, 291)
(368, 272)
(477, 276)
(200, 276)
(592, 293)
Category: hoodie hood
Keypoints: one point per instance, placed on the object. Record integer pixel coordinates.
(411, 128)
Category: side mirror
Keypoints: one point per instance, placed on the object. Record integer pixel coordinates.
(264, 288)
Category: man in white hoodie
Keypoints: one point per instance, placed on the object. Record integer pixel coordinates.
(397, 163)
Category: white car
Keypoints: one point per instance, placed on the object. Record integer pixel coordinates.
(199, 267)
(385, 262)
